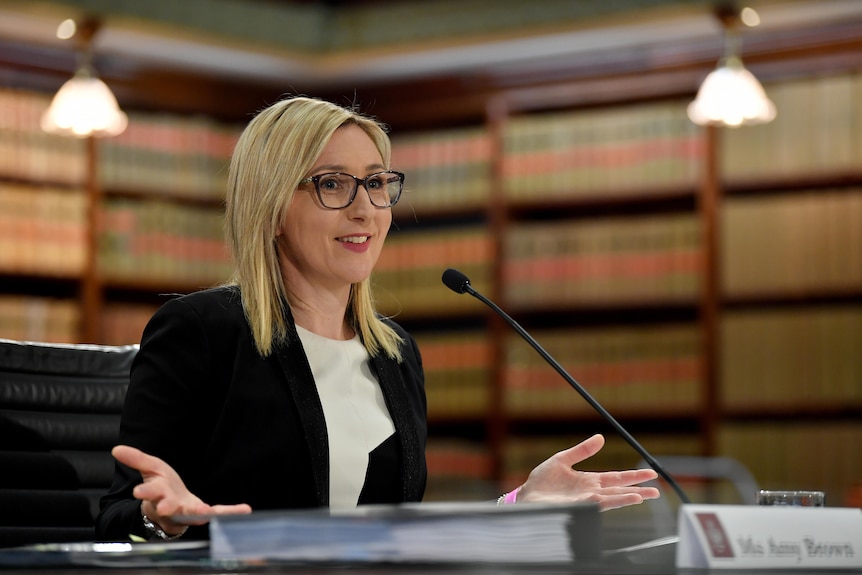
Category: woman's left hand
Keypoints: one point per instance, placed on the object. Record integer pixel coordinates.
(556, 481)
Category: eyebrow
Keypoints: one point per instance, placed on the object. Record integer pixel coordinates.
(341, 168)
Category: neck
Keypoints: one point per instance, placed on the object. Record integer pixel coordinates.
(323, 316)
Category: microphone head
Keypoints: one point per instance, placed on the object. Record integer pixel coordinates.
(455, 280)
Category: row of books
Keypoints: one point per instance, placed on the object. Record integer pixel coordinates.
(604, 260)
(28, 318)
(457, 373)
(444, 169)
(123, 323)
(162, 242)
(420, 292)
(627, 369)
(459, 470)
(446, 247)
(408, 274)
(633, 149)
(636, 149)
(43, 230)
(819, 456)
(457, 393)
(818, 130)
(793, 243)
(769, 359)
(168, 155)
(792, 358)
(628, 149)
(28, 153)
(56, 320)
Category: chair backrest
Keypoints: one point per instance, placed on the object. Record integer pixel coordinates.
(714, 479)
(59, 417)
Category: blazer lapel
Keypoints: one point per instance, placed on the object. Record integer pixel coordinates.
(391, 383)
(300, 382)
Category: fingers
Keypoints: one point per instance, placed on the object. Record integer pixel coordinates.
(629, 477)
(239, 509)
(200, 519)
(593, 445)
(620, 489)
(197, 510)
(643, 493)
(583, 450)
(616, 497)
(156, 490)
(557, 480)
(137, 459)
(165, 497)
(616, 501)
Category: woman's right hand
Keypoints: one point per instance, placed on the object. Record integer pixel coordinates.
(165, 498)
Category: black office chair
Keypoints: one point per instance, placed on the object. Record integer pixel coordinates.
(59, 416)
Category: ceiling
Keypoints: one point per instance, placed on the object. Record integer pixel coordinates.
(334, 46)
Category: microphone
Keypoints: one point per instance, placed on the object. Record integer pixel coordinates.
(459, 283)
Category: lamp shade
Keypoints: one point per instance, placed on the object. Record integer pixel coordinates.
(731, 96)
(84, 106)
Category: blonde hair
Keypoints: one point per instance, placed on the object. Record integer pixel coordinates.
(275, 151)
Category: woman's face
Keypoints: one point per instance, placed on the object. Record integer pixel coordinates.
(331, 249)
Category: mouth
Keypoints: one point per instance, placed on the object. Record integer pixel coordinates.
(354, 239)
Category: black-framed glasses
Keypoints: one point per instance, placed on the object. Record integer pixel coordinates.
(336, 191)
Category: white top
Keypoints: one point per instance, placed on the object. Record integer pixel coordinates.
(352, 398)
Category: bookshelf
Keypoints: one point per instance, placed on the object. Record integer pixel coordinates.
(705, 285)
(94, 231)
(791, 288)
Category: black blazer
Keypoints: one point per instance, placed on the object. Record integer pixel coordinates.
(239, 428)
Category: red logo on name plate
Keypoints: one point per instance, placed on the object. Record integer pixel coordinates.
(719, 544)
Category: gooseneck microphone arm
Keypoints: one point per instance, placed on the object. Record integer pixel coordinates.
(459, 283)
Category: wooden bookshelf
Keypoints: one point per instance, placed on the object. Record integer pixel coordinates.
(87, 224)
(650, 292)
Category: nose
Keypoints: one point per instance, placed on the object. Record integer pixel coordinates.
(361, 206)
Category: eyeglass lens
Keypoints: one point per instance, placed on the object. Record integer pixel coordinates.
(338, 190)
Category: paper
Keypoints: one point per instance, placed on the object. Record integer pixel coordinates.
(414, 533)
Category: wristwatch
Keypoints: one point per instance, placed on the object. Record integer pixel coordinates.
(156, 532)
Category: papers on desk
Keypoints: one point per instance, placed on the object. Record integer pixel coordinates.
(414, 533)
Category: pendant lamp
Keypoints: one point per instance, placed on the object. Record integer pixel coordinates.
(84, 106)
(731, 96)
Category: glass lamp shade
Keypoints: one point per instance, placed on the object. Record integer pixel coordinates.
(84, 106)
(731, 96)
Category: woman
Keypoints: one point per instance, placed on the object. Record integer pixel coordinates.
(284, 389)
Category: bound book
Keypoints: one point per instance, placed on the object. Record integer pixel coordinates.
(414, 533)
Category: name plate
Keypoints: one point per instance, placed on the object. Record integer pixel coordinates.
(769, 537)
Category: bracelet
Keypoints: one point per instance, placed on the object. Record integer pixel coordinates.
(509, 498)
(153, 529)
(512, 496)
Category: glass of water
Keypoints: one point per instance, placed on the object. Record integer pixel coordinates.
(791, 498)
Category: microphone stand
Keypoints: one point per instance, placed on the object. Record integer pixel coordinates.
(459, 283)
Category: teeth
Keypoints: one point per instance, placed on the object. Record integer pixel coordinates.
(355, 239)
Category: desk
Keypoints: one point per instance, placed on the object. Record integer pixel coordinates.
(193, 559)
(198, 564)
(622, 534)
(617, 533)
